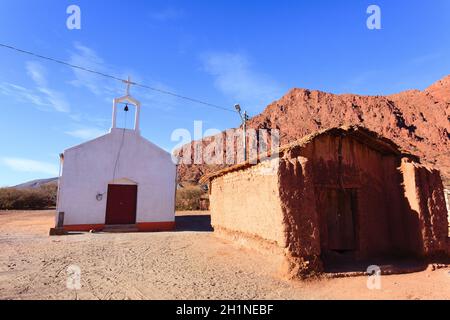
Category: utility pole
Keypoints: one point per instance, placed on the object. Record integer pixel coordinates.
(244, 119)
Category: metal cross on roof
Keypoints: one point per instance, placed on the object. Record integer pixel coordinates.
(129, 83)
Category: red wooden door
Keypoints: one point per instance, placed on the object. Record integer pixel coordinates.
(121, 204)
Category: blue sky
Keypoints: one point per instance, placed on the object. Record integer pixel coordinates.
(222, 52)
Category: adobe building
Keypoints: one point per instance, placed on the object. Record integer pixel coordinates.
(119, 181)
(340, 193)
(447, 201)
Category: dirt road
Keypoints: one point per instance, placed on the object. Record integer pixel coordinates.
(189, 264)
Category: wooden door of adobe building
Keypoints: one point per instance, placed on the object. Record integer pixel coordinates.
(337, 208)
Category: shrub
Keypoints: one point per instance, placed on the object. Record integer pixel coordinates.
(28, 199)
(190, 198)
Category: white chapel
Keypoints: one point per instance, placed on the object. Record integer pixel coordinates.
(117, 180)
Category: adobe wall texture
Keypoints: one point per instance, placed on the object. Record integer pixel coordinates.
(301, 220)
(447, 202)
(380, 204)
(400, 207)
(245, 204)
(425, 193)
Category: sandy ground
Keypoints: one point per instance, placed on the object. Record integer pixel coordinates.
(188, 264)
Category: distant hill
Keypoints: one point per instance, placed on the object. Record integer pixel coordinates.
(35, 184)
(419, 121)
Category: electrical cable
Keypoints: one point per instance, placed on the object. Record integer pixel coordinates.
(103, 74)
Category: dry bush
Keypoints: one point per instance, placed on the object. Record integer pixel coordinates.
(190, 198)
(28, 199)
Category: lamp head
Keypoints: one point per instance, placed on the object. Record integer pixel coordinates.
(237, 107)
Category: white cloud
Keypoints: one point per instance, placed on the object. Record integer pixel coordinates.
(235, 78)
(88, 58)
(86, 133)
(110, 88)
(87, 117)
(166, 14)
(28, 165)
(107, 89)
(160, 101)
(23, 94)
(42, 97)
(55, 99)
(37, 72)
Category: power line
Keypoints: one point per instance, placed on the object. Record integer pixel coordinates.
(116, 78)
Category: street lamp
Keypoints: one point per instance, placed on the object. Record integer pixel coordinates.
(244, 118)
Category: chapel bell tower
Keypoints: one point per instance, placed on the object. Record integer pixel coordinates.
(128, 99)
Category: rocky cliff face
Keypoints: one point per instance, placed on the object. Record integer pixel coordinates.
(418, 121)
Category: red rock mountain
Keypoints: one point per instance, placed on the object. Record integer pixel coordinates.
(418, 121)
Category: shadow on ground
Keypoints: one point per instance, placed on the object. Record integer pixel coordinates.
(345, 267)
(198, 223)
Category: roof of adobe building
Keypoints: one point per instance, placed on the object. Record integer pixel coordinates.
(359, 133)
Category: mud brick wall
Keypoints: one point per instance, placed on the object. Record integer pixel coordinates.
(400, 208)
(247, 202)
(447, 201)
(381, 206)
(301, 220)
(425, 193)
